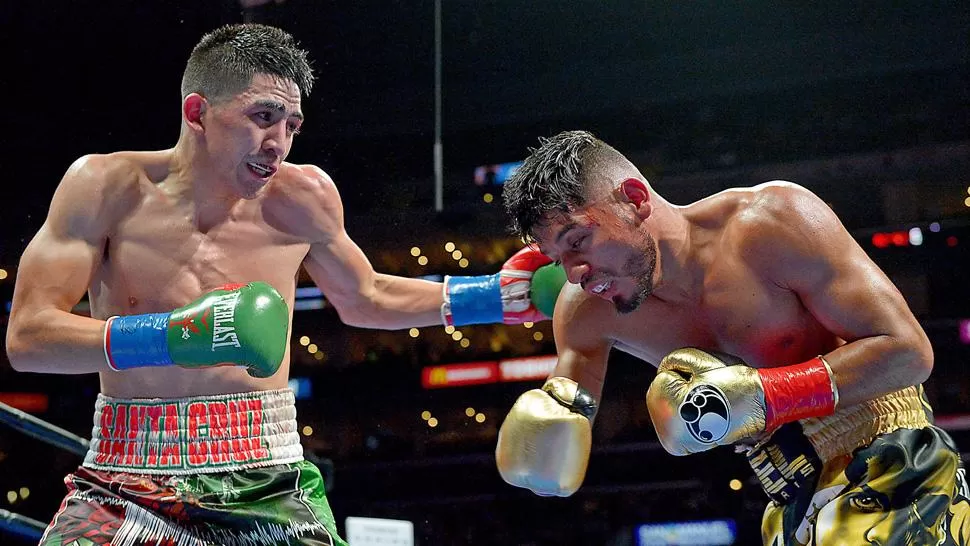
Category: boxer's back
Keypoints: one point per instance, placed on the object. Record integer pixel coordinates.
(166, 249)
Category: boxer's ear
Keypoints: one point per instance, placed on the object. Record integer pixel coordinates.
(193, 107)
(634, 192)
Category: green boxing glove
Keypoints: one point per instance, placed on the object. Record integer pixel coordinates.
(524, 290)
(242, 324)
(547, 282)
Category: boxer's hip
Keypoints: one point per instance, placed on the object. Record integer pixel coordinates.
(877, 473)
(195, 435)
(857, 426)
(280, 504)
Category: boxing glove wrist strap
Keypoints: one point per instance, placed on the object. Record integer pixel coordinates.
(571, 396)
(137, 340)
(798, 392)
(472, 300)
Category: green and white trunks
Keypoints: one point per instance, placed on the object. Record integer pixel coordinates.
(198, 471)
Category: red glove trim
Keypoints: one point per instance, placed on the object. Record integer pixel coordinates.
(230, 286)
(107, 343)
(797, 392)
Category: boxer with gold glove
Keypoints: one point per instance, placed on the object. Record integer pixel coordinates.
(545, 440)
(702, 399)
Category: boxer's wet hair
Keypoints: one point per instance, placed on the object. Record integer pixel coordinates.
(225, 60)
(557, 178)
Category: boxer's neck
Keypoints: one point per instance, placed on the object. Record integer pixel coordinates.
(675, 278)
(195, 178)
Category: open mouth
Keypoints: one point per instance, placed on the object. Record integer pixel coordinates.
(602, 287)
(260, 169)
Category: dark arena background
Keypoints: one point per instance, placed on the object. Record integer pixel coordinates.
(865, 103)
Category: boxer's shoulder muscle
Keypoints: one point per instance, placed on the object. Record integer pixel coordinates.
(583, 322)
(784, 219)
(96, 190)
(304, 201)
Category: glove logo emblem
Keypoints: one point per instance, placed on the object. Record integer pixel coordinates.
(706, 413)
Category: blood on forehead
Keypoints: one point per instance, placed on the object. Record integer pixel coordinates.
(554, 234)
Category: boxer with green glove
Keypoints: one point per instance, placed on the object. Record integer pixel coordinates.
(243, 324)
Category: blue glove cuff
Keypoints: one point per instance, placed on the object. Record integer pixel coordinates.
(475, 300)
(137, 340)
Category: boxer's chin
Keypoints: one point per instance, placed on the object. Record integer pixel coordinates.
(627, 305)
(249, 185)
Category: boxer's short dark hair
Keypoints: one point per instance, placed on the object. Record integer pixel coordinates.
(225, 60)
(553, 180)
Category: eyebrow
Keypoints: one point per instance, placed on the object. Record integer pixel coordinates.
(277, 106)
(566, 229)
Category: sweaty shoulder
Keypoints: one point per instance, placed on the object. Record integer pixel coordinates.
(116, 173)
(292, 177)
(98, 188)
(583, 322)
(303, 200)
(781, 218)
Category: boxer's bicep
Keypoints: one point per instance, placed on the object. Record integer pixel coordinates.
(59, 261)
(807, 250)
(342, 271)
(55, 271)
(310, 206)
(810, 252)
(337, 265)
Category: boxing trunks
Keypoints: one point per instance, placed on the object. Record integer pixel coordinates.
(225, 469)
(876, 473)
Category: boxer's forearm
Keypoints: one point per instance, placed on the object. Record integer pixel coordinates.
(55, 341)
(871, 367)
(394, 303)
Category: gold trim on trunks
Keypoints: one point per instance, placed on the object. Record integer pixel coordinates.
(853, 427)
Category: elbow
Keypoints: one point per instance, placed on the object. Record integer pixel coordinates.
(918, 358)
(925, 360)
(360, 313)
(18, 349)
(351, 316)
(25, 343)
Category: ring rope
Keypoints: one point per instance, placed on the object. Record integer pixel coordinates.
(21, 525)
(42, 430)
(18, 524)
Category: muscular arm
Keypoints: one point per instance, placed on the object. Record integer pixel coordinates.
(804, 247)
(361, 296)
(583, 343)
(43, 334)
(366, 298)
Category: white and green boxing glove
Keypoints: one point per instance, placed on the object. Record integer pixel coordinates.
(241, 324)
(525, 290)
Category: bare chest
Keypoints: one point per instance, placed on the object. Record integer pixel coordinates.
(158, 259)
(763, 324)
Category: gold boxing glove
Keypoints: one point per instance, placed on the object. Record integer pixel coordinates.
(545, 440)
(702, 399)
